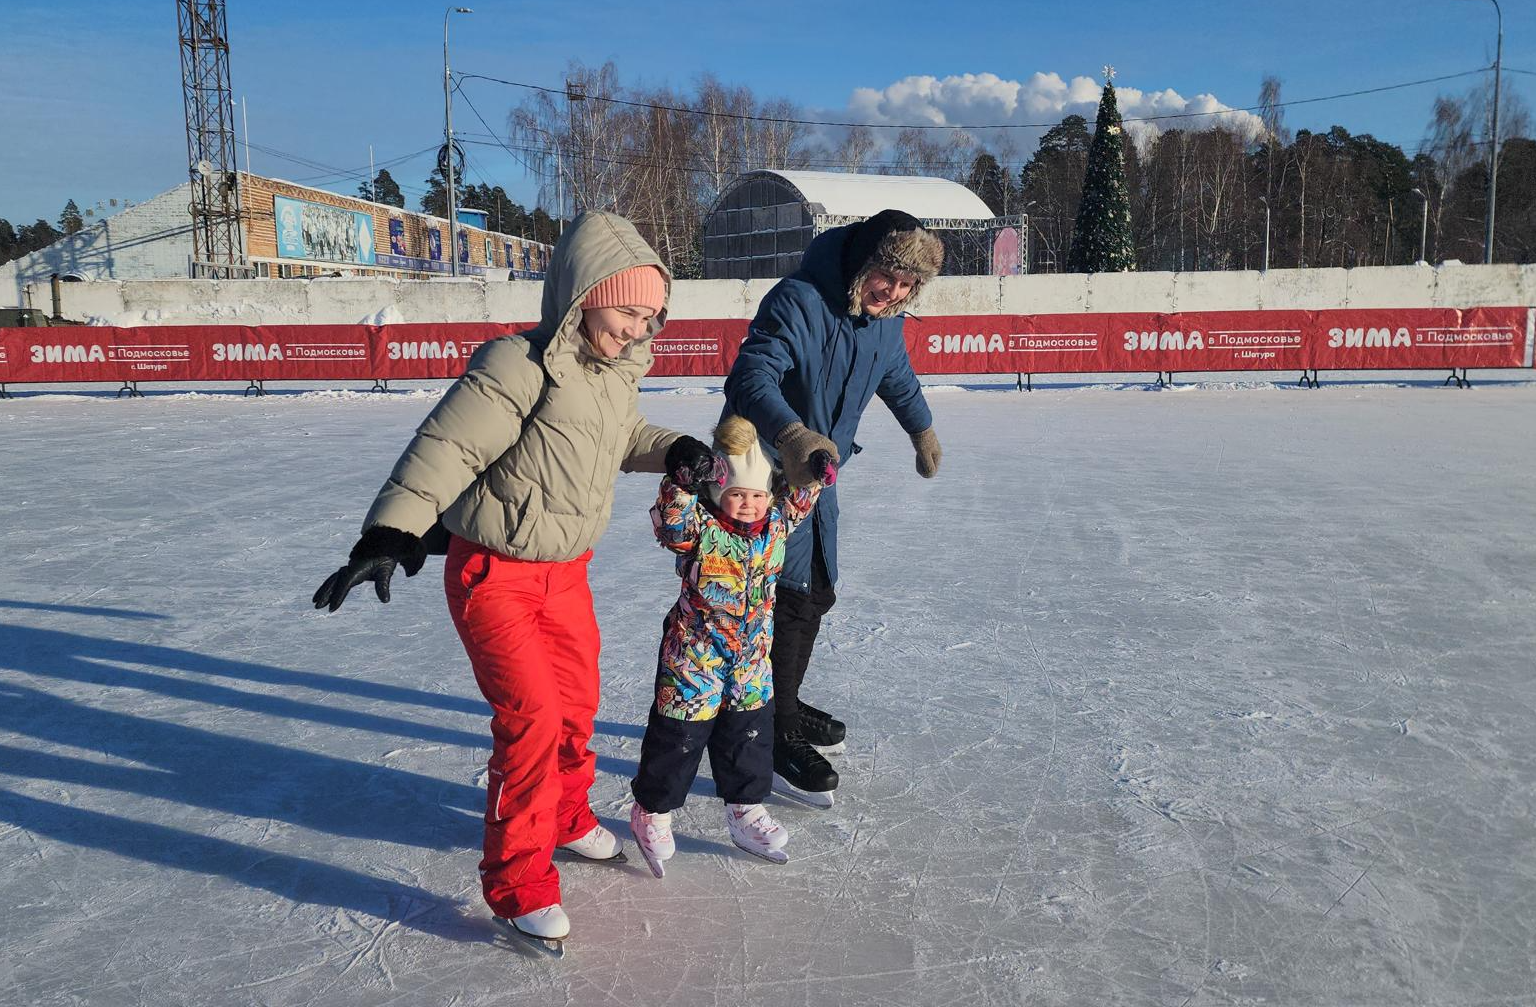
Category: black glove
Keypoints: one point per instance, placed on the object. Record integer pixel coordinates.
(374, 558)
(797, 444)
(823, 467)
(691, 464)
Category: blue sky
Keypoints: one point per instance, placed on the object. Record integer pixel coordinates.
(90, 90)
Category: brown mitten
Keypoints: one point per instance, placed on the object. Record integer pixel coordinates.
(796, 444)
(928, 452)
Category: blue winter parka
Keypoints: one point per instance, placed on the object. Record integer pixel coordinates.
(807, 359)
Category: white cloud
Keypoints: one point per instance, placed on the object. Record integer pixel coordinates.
(1045, 98)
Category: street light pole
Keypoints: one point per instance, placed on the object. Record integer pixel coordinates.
(574, 92)
(1493, 144)
(1025, 215)
(1493, 155)
(453, 223)
(1266, 232)
(1423, 227)
(554, 144)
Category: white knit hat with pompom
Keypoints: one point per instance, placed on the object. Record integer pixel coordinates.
(748, 466)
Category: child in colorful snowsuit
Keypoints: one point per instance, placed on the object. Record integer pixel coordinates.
(714, 684)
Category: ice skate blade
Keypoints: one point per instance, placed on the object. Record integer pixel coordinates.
(837, 749)
(618, 858)
(772, 856)
(655, 865)
(815, 798)
(552, 946)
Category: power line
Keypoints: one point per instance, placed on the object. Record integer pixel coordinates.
(362, 169)
(1010, 168)
(491, 132)
(642, 160)
(778, 120)
(331, 171)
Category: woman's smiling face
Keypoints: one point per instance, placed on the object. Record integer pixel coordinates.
(610, 330)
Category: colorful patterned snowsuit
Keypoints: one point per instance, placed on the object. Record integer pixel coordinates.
(714, 681)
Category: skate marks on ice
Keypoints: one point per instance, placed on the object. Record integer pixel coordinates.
(508, 935)
(1239, 731)
(1230, 712)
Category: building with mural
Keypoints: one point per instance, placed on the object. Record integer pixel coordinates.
(289, 230)
(293, 230)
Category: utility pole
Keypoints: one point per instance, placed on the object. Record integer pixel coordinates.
(1493, 153)
(574, 92)
(453, 214)
(1423, 227)
(1266, 232)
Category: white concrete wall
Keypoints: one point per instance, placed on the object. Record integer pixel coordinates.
(360, 300)
(151, 239)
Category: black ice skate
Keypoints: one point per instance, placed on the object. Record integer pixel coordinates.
(822, 730)
(800, 772)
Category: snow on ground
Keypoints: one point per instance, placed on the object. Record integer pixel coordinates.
(1215, 696)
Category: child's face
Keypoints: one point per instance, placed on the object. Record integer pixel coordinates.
(744, 505)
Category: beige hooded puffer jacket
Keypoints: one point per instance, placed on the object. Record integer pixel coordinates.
(530, 479)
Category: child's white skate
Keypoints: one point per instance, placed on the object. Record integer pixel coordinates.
(599, 844)
(653, 834)
(755, 831)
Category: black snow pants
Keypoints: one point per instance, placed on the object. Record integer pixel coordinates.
(740, 757)
(796, 622)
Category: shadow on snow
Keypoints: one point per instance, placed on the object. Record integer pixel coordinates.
(233, 775)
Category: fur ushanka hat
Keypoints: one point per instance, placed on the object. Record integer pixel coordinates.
(893, 241)
(747, 466)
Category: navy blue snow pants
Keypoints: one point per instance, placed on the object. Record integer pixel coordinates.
(740, 747)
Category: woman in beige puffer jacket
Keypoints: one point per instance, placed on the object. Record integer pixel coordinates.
(518, 463)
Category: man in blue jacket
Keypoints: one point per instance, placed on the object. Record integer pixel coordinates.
(825, 341)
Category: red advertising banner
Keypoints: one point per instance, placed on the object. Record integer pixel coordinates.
(1343, 339)
(241, 352)
(697, 347)
(430, 350)
(1441, 338)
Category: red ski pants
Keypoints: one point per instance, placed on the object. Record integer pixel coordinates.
(532, 639)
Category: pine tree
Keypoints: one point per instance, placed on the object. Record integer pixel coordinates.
(38, 234)
(386, 190)
(435, 200)
(1102, 241)
(10, 244)
(70, 220)
(988, 181)
(545, 228)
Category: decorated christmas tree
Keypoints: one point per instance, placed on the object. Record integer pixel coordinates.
(1101, 239)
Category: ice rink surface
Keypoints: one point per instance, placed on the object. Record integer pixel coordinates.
(1217, 695)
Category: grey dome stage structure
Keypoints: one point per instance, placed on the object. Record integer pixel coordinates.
(764, 219)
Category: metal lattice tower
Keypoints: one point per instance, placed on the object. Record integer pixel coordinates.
(217, 248)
